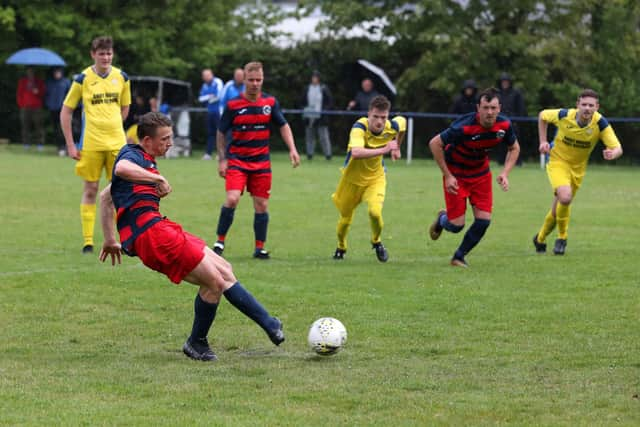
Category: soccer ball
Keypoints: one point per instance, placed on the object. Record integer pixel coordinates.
(327, 336)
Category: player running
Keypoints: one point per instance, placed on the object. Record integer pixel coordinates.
(579, 130)
(245, 162)
(461, 152)
(163, 245)
(363, 176)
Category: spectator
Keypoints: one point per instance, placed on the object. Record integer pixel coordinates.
(363, 97)
(57, 87)
(467, 100)
(210, 96)
(30, 97)
(232, 89)
(317, 97)
(137, 110)
(512, 106)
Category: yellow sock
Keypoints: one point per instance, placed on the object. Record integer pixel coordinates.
(376, 227)
(547, 227)
(563, 212)
(88, 218)
(342, 229)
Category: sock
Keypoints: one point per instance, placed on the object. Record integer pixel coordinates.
(563, 212)
(260, 223)
(204, 314)
(375, 219)
(472, 237)
(342, 230)
(224, 222)
(547, 227)
(241, 299)
(88, 219)
(444, 223)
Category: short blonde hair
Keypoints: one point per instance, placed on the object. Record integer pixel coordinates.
(252, 66)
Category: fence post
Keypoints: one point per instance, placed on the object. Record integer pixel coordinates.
(409, 140)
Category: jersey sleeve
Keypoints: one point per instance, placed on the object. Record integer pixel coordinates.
(451, 135)
(276, 115)
(226, 120)
(399, 124)
(607, 135)
(356, 136)
(125, 96)
(510, 137)
(132, 155)
(74, 96)
(551, 116)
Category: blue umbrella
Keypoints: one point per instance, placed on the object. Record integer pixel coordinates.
(36, 56)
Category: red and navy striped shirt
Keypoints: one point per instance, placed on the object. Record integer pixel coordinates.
(467, 144)
(137, 203)
(249, 123)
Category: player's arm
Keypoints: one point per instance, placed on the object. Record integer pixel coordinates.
(365, 153)
(130, 171)
(66, 114)
(287, 137)
(613, 148)
(124, 112)
(513, 152)
(110, 247)
(543, 142)
(436, 145)
(221, 144)
(402, 126)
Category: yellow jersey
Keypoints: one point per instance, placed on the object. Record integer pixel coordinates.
(366, 171)
(573, 143)
(102, 101)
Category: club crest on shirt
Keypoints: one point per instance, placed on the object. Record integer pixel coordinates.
(114, 81)
(589, 131)
(266, 110)
(500, 134)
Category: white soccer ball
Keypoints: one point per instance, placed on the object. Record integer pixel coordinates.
(327, 336)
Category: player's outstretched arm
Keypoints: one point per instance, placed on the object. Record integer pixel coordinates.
(129, 171)
(110, 247)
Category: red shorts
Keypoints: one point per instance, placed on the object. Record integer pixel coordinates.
(478, 190)
(167, 248)
(258, 184)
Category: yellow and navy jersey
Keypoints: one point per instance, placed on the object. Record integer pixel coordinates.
(102, 101)
(573, 143)
(364, 171)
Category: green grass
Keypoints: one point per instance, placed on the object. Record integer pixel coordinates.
(516, 339)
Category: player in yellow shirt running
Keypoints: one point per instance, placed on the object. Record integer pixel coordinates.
(105, 94)
(363, 176)
(579, 130)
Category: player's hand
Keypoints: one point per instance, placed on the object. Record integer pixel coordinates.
(451, 184)
(222, 167)
(163, 188)
(396, 154)
(392, 145)
(608, 154)
(73, 152)
(112, 249)
(503, 181)
(544, 148)
(294, 157)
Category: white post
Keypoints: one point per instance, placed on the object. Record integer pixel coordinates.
(409, 140)
(543, 160)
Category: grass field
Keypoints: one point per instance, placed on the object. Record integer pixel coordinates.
(516, 339)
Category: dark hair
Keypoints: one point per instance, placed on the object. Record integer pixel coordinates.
(488, 95)
(148, 123)
(588, 93)
(380, 102)
(102, 42)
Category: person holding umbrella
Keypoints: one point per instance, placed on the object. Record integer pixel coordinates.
(30, 97)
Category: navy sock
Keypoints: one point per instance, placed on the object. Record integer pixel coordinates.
(472, 236)
(241, 299)
(260, 223)
(444, 223)
(225, 221)
(204, 313)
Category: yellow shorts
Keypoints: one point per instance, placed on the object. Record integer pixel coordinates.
(348, 196)
(91, 163)
(560, 174)
(132, 134)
